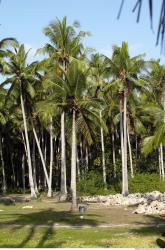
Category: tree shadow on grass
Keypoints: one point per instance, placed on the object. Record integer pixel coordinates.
(155, 227)
(49, 216)
(47, 220)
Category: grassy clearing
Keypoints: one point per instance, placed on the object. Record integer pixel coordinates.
(49, 237)
(39, 226)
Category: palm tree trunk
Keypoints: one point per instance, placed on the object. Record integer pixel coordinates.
(125, 172)
(78, 167)
(73, 164)
(136, 148)
(31, 182)
(81, 157)
(130, 154)
(4, 187)
(34, 166)
(45, 158)
(23, 173)
(113, 154)
(161, 160)
(160, 170)
(63, 191)
(51, 159)
(103, 155)
(40, 152)
(86, 158)
(122, 140)
(12, 165)
(10, 152)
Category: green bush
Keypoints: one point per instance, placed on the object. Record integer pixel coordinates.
(92, 184)
(144, 183)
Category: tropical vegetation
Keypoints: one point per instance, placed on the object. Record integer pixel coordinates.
(78, 118)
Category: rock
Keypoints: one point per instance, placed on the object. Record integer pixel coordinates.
(155, 195)
(162, 213)
(149, 203)
(27, 207)
(7, 201)
(140, 210)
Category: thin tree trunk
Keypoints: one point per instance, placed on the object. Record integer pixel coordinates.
(103, 156)
(40, 152)
(125, 171)
(10, 152)
(12, 165)
(78, 167)
(4, 187)
(136, 148)
(122, 141)
(45, 159)
(113, 154)
(31, 182)
(63, 191)
(130, 154)
(160, 170)
(161, 160)
(34, 166)
(51, 159)
(81, 157)
(86, 158)
(23, 173)
(73, 164)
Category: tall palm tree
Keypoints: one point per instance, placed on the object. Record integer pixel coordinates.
(21, 80)
(156, 78)
(64, 44)
(99, 71)
(81, 108)
(124, 69)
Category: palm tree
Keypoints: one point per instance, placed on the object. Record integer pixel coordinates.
(156, 78)
(99, 71)
(20, 80)
(124, 69)
(82, 108)
(65, 44)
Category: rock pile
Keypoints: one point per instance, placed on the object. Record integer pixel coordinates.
(149, 203)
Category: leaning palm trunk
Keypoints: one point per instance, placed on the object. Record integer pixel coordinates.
(51, 159)
(73, 164)
(40, 152)
(31, 182)
(63, 191)
(161, 161)
(125, 173)
(130, 154)
(34, 167)
(103, 155)
(4, 187)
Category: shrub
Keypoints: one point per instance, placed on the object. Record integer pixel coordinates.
(92, 184)
(143, 183)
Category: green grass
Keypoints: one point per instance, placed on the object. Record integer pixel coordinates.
(49, 237)
(39, 226)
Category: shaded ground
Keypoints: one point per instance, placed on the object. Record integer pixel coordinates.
(40, 226)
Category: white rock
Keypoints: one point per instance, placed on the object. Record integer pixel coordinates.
(27, 207)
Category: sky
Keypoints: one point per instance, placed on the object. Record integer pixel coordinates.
(25, 20)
